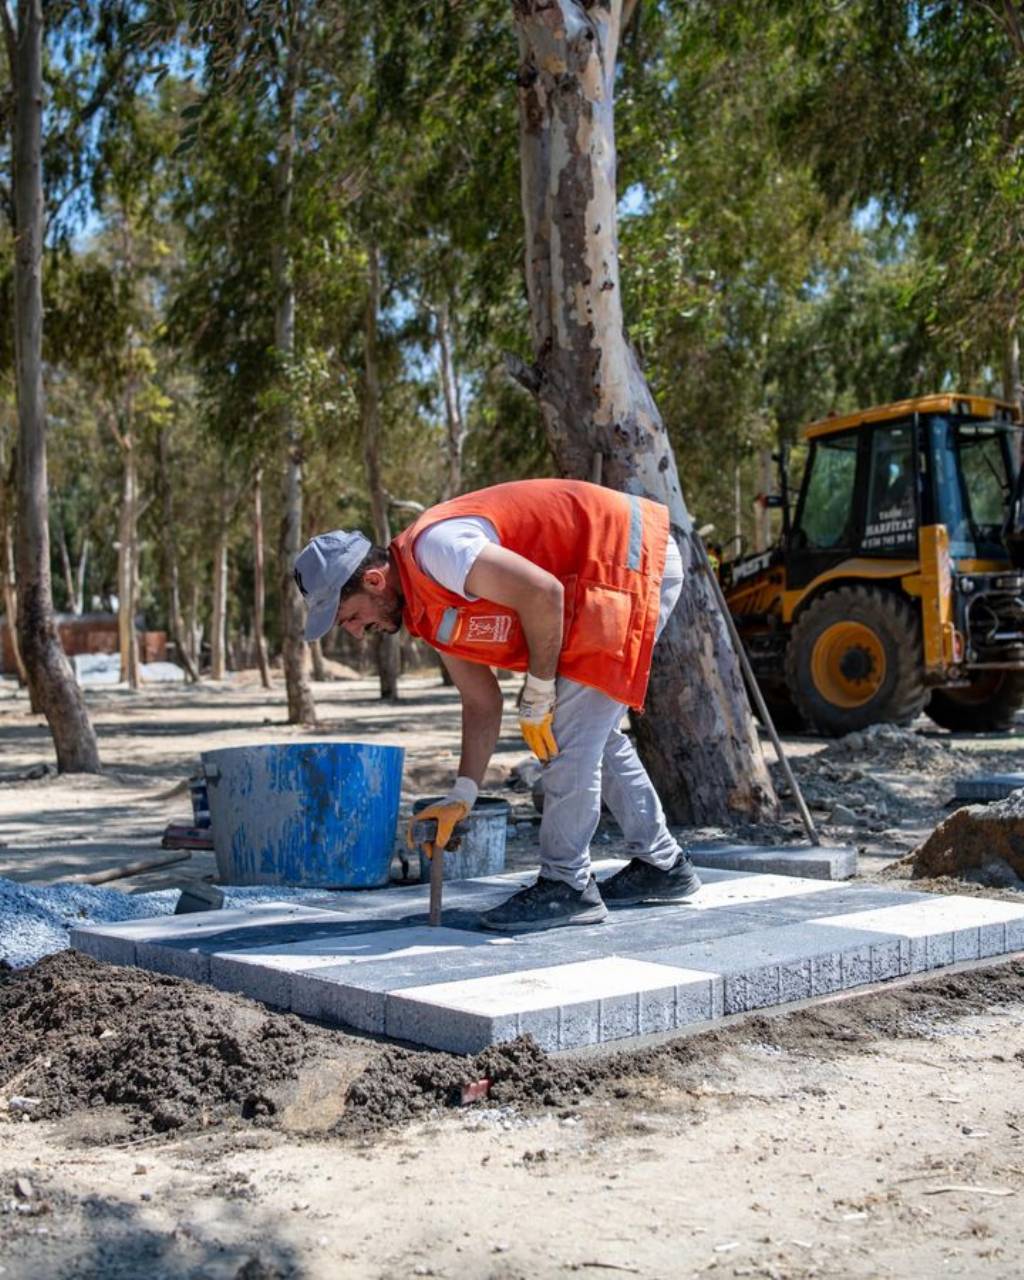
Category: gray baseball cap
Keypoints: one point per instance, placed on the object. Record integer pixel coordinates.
(322, 568)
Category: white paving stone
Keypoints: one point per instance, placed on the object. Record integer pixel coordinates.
(944, 929)
(563, 1007)
(744, 889)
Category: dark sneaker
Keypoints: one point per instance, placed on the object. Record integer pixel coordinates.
(548, 904)
(641, 881)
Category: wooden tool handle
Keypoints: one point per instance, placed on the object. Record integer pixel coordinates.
(436, 885)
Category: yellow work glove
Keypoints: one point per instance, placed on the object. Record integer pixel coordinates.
(536, 713)
(447, 812)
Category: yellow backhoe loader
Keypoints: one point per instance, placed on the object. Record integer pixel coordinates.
(898, 583)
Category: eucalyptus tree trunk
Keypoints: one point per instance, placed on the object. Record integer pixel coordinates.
(295, 655)
(219, 610)
(172, 578)
(454, 422)
(697, 738)
(51, 682)
(259, 599)
(389, 650)
(128, 640)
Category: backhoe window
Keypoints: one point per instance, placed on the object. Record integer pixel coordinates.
(826, 516)
(973, 479)
(891, 518)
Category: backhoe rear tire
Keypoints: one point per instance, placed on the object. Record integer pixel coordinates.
(854, 659)
(988, 704)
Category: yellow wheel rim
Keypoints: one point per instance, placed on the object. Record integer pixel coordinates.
(848, 664)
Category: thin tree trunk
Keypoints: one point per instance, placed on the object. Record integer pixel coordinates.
(762, 514)
(218, 616)
(83, 561)
(697, 739)
(389, 651)
(193, 627)
(454, 421)
(11, 603)
(128, 641)
(259, 581)
(65, 564)
(1013, 388)
(51, 681)
(316, 654)
(295, 654)
(183, 647)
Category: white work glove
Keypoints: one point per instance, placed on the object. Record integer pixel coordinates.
(536, 713)
(446, 813)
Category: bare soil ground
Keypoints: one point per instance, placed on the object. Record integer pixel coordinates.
(184, 1132)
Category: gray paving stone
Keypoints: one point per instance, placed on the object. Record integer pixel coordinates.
(987, 786)
(111, 948)
(835, 901)
(817, 862)
(789, 962)
(182, 961)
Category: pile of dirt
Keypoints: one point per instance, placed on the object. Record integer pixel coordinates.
(75, 1033)
(980, 843)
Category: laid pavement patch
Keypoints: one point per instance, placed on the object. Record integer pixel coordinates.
(745, 941)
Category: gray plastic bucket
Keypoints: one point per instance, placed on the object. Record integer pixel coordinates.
(482, 850)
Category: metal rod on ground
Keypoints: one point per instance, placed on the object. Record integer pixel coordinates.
(755, 690)
(127, 869)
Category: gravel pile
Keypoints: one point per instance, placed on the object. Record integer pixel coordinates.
(35, 920)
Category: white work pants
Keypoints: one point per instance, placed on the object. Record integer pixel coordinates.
(595, 759)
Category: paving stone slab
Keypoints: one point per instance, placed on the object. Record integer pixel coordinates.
(987, 786)
(819, 862)
(745, 941)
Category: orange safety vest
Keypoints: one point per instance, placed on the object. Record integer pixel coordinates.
(606, 548)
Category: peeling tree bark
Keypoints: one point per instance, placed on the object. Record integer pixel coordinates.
(51, 683)
(697, 739)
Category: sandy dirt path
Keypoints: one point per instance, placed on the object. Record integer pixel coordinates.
(887, 1142)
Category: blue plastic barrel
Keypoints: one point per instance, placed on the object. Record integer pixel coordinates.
(318, 815)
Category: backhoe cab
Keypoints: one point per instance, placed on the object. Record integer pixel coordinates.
(898, 584)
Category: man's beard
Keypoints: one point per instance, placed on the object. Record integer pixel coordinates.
(391, 620)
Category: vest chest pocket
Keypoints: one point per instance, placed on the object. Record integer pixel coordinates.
(602, 619)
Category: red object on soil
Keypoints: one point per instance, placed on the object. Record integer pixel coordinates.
(475, 1091)
(179, 835)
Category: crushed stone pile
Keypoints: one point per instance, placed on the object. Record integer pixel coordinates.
(75, 1033)
(877, 777)
(980, 843)
(35, 919)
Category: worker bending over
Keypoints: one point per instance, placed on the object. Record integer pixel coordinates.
(571, 583)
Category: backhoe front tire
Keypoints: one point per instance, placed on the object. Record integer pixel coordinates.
(988, 704)
(854, 659)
